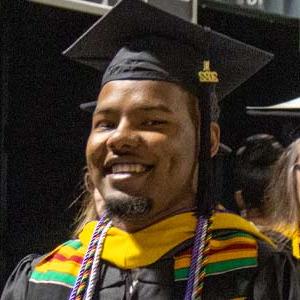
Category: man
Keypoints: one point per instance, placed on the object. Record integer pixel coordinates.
(148, 156)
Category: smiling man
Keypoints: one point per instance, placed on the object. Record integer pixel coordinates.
(148, 154)
(143, 132)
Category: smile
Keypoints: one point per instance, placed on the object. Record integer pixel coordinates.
(121, 168)
(128, 168)
(127, 173)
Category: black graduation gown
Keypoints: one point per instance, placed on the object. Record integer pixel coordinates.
(274, 278)
(287, 246)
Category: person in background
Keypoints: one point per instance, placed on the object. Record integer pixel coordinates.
(253, 166)
(282, 200)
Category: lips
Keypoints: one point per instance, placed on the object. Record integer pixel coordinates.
(120, 167)
(128, 168)
(128, 177)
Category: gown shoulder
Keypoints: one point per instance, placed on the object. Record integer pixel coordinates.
(17, 284)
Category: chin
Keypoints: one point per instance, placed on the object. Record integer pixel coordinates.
(123, 206)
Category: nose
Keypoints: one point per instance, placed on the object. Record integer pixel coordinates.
(123, 138)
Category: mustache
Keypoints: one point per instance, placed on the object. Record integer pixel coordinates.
(127, 207)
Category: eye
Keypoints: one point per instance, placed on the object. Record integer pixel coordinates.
(154, 123)
(103, 125)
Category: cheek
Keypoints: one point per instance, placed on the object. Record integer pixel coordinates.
(186, 152)
(186, 143)
(155, 142)
(177, 151)
(95, 149)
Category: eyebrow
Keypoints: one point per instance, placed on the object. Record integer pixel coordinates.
(146, 108)
(99, 110)
(155, 107)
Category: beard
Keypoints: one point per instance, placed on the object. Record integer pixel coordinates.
(127, 207)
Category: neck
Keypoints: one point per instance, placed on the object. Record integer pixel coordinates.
(135, 224)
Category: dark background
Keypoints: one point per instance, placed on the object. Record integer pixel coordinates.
(43, 132)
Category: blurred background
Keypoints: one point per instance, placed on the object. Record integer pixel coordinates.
(43, 131)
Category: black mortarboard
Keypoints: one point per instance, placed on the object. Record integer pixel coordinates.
(137, 41)
(286, 109)
(133, 20)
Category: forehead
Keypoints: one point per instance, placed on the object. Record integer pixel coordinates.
(137, 94)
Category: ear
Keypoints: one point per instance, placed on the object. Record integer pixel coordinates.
(88, 182)
(214, 138)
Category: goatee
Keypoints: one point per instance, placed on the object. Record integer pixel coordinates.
(127, 207)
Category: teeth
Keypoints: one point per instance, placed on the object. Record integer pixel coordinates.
(128, 168)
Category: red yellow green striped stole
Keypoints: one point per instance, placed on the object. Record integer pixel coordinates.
(61, 266)
(227, 251)
(233, 246)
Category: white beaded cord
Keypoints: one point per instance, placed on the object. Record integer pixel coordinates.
(95, 266)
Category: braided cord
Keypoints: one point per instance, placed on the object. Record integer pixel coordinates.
(199, 260)
(80, 284)
(207, 245)
(195, 257)
(96, 263)
(198, 277)
(201, 271)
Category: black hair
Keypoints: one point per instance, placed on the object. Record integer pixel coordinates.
(253, 164)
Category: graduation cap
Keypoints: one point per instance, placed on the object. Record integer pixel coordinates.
(138, 41)
(132, 20)
(286, 109)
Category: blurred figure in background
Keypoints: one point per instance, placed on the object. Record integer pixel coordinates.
(253, 167)
(282, 203)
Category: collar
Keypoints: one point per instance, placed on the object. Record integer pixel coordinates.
(132, 250)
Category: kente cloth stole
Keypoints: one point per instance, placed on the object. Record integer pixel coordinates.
(122, 249)
(61, 266)
(229, 250)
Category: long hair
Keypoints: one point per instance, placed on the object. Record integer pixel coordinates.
(87, 211)
(282, 202)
